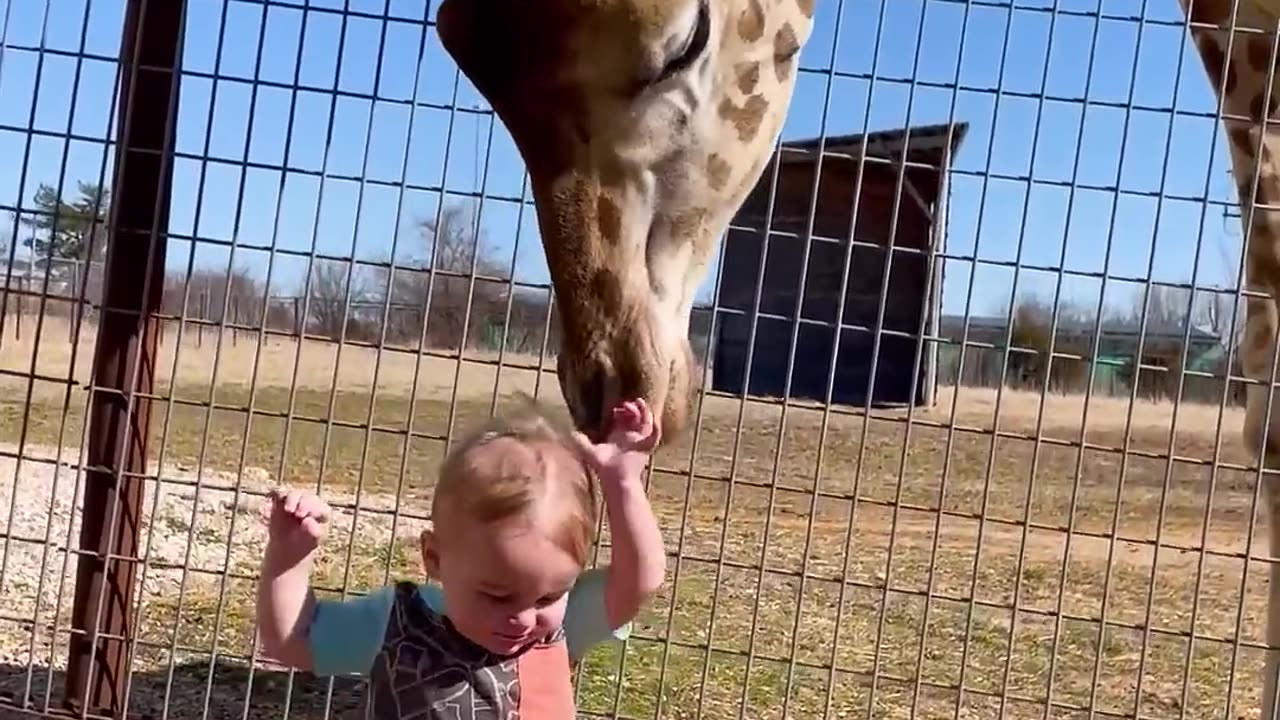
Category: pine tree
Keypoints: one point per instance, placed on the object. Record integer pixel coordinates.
(65, 230)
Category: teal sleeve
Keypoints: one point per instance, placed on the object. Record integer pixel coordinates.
(586, 623)
(345, 635)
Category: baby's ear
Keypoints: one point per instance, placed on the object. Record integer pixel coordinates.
(430, 552)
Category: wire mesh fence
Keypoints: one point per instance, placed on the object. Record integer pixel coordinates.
(968, 441)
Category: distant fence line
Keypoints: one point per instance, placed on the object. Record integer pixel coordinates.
(506, 315)
(1073, 374)
(490, 327)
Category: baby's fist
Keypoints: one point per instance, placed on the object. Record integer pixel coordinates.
(296, 517)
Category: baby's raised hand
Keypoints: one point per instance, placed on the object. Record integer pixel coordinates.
(633, 428)
(296, 520)
(633, 435)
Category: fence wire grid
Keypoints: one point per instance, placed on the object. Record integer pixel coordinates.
(1013, 488)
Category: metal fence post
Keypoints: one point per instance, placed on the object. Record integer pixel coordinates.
(150, 56)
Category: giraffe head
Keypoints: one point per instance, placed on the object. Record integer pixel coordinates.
(643, 125)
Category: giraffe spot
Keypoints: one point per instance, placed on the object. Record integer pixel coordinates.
(1258, 53)
(806, 7)
(1256, 111)
(1215, 63)
(608, 219)
(751, 22)
(785, 47)
(1241, 138)
(1269, 189)
(746, 119)
(1209, 13)
(717, 171)
(748, 74)
(1243, 189)
(1261, 266)
(605, 288)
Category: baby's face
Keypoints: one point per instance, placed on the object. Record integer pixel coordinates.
(505, 584)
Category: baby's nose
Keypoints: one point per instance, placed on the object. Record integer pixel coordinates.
(525, 619)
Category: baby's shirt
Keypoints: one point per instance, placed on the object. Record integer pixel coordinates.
(420, 666)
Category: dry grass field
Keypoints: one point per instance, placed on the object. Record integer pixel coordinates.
(861, 566)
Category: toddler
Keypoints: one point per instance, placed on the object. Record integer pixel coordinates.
(511, 606)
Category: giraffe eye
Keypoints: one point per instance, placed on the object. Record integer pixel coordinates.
(693, 46)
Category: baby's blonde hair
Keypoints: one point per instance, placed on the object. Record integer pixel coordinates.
(511, 466)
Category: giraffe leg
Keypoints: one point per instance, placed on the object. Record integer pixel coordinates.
(1271, 668)
(1259, 339)
(1242, 67)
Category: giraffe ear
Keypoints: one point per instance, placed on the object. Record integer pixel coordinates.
(480, 40)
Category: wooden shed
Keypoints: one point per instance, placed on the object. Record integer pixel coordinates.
(901, 205)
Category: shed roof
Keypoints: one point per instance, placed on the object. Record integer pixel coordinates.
(919, 140)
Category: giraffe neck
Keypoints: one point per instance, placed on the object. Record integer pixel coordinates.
(1241, 69)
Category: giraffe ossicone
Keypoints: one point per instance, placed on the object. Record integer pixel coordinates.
(644, 124)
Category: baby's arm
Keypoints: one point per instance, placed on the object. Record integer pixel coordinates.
(327, 637)
(638, 562)
(286, 603)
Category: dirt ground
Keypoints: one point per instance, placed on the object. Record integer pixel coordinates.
(829, 562)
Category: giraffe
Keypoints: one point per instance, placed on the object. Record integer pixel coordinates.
(643, 125)
(1235, 43)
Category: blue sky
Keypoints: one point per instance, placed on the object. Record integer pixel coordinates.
(1091, 149)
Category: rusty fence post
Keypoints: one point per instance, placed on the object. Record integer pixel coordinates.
(124, 359)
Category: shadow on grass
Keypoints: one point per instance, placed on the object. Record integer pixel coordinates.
(221, 690)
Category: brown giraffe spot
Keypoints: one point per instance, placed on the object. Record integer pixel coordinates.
(608, 219)
(806, 7)
(1241, 135)
(1243, 191)
(605, 288)
(785, 47)
(1268, 188)
(1215, 63)
(1255, 107)
(745, 119)
(1207, 12)
(717, 171)
(1261, 266)
(751, 22)
(1241, 138)
(748, 75)
(1258, 53)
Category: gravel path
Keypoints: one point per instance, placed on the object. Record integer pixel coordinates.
(37, 578)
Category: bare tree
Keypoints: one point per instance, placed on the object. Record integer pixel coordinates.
(1167, 306)
(454, 250)
(336, 292)
(1213, 314)
(208, 293)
